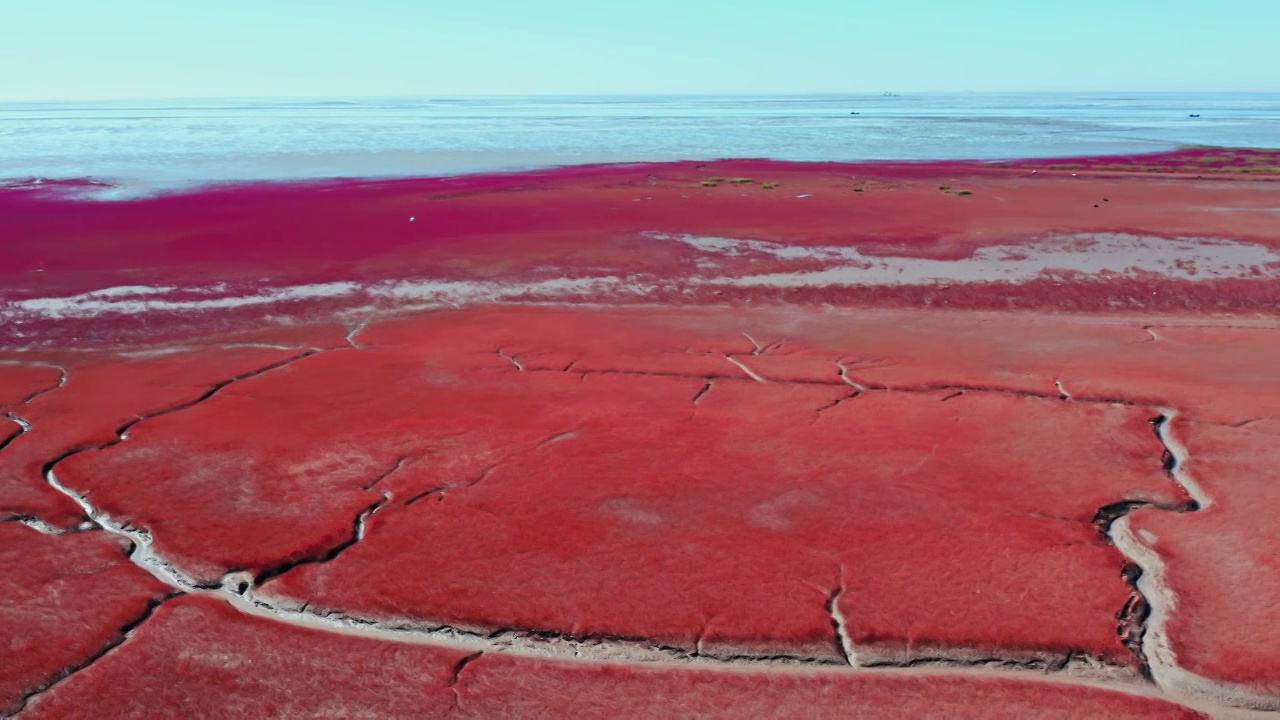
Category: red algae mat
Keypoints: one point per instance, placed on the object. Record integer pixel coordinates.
(717, 439)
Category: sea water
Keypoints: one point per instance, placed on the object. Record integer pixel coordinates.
(147, 145)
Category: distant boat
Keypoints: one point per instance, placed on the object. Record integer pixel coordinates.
(1193, 116)
(889, 94)
(855, 113)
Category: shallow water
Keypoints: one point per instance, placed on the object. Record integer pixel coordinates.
(159, 144)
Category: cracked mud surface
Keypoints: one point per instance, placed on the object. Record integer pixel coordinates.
(596, 508)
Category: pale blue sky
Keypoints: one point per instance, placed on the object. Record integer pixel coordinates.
(106, 49)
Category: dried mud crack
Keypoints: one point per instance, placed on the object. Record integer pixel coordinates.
(456, 676)
(843, 645)
(142, 552)
(357, 534)
(125, 632)
(62, 381)
(1141, 622)
(438, 491)
(6, 441)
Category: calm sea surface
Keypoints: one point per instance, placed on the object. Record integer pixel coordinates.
(164, 144)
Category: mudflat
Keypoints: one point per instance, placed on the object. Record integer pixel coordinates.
(795, 439)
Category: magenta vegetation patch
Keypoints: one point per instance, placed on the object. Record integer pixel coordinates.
(758, 438)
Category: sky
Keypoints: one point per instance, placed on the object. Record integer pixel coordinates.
(53, 50)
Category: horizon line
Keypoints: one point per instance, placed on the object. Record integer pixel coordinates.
(636, 95)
